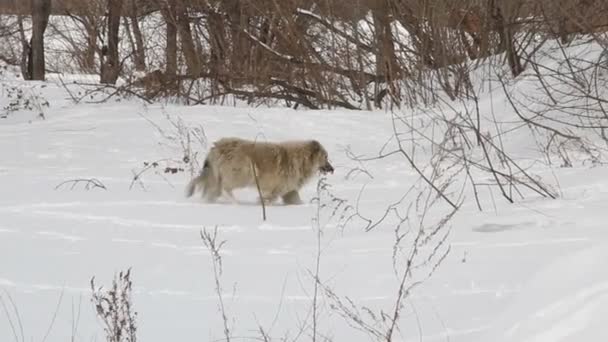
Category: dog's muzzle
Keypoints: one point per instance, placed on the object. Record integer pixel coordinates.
(327, 168)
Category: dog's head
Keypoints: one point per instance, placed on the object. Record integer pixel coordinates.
(320, 157)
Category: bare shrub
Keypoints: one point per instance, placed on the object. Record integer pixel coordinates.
(211, 242)
(564, 102)
(566, 106)
(419, 249)
(114, 308)
(81, 36)
(20, 98)
(180, 139)
(363, 55)
(13, 316)
(420, 245)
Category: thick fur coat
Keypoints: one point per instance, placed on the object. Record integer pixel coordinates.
(281, 169)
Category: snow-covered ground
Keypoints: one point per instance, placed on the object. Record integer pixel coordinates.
(530, 271)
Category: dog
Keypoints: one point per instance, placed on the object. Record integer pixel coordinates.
(281, 169)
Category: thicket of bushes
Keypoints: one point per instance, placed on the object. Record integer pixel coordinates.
(361, 54)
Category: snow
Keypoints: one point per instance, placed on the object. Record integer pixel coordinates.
(573, 310)
(534, 270)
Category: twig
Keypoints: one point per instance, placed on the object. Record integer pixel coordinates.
(149, 166)
(415, 167)
(257, 184)
(315, 298)
(54, 316)
(75, 320)
(9, 318)
(74, 98)
(90, 183)
(17, 315)
(210, 241)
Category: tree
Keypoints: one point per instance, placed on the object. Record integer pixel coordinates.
(170, 17)
(41, 9)
(185, 33)
(110, 66)
(137, 40)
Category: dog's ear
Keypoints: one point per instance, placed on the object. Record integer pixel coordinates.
(315, 147)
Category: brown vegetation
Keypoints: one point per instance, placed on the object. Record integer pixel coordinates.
(317, 54)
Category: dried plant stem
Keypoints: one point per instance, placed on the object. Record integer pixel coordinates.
(257, 184)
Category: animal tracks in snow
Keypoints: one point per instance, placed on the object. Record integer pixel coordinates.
(501, 227)
(129, 214)
(4, 230)
(60, 236)
(526, 243)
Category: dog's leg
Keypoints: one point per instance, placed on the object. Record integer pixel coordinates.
(211, 197)
(269, 200)
(266, 200)
(205, 192)
(231, 196)
(268, 197)
(213, 192)
(292, 198)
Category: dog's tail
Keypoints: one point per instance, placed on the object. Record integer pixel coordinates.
(202, 180)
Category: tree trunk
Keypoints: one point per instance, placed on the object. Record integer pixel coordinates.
(140, 52)
(217, 36)
(239, 53)
(41, 9)
(507, 39)
(171, 48)
(386, 60)
(183, 28)
(25, 50)
(89, 54)
(110, 66)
